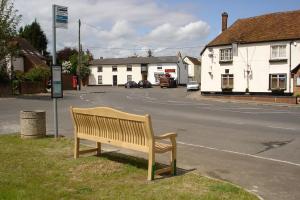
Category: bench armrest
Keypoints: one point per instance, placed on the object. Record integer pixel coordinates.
(165, 136)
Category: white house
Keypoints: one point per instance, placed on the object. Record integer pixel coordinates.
(254, 55)
(194, 68)
(118, 71)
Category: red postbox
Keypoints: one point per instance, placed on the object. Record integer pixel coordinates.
(74, 82)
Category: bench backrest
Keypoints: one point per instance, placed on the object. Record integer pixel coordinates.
(120, 128)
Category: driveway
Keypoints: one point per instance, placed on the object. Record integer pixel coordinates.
(255, 146)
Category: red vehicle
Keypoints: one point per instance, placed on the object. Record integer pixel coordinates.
(167, 81)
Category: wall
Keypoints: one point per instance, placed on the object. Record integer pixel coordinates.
(18, 63)
(5, 89)
(32, 87)
(107, 74)
(258, 60)
(262, 98)
(153, 68)
(194, 71)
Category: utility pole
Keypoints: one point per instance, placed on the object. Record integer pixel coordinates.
(79, 56)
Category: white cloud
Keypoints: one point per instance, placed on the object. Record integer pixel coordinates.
(127, 26)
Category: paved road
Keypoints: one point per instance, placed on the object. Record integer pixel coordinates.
(255, 146)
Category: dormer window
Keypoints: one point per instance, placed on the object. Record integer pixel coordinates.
(226, 55)
(278, 52)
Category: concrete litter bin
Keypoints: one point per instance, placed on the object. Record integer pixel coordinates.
(33, 124)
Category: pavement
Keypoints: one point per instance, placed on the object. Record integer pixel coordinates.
(251, 145)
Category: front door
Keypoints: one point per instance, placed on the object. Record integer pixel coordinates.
(115, 80)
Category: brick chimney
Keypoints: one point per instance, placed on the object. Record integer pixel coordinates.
(224, 21)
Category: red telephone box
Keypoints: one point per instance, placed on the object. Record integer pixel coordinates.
(74, 82)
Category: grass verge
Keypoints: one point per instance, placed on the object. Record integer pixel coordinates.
(45, 169)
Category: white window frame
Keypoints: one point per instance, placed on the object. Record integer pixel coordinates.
(228, 77)
(100, 67)
(129, 75)
(226, 55)
(278, 51)
(100, 78)
(278, 77)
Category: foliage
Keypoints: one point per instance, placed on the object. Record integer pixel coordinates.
(4, 76)
(9, 20)
(84, 71)
(65, 54)
(45, 169)
(19, 75)
(149, 53)
(36, 36)
(37, 74)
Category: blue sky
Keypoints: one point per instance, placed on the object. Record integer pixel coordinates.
(121, 28)
(210, 10)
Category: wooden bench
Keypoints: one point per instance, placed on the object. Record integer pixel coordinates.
(110, 126)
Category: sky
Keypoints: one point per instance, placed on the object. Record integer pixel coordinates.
(122, 28)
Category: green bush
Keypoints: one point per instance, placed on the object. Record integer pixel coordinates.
(84, 71)
(37, 74)
(19, 75)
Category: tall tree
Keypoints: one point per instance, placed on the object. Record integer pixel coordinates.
(36, 36)
(9, 20)
(65, 54)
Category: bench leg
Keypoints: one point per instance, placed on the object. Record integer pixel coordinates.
(151, 166)
(173, 160)
(76, 147)
(98, 148)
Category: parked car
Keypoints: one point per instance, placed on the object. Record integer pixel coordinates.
(144, 84)
(131, 84)
(192, 85)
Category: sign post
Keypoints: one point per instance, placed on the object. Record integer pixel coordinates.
(59, 20)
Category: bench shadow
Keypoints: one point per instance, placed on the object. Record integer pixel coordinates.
(141, 163)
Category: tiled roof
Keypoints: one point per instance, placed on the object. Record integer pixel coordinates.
(270, 27)
(28, 51)
(195, 61)
(135, 60)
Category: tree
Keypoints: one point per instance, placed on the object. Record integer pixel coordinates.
(36, 36)
(149, 53)
(65, 54)
(9, 20)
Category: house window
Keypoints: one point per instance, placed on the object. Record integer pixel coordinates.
(277, 81)
(159, 67)
(114, 68)
(278, 52)
(100, 80)
(298, 81)
(99, 69)
(227, 81)
(129, 78)
(129, 68)
(226, 55)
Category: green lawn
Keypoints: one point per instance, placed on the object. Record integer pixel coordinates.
(45, 169)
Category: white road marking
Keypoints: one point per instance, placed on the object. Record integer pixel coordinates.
(239, 153)
(284, 128)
